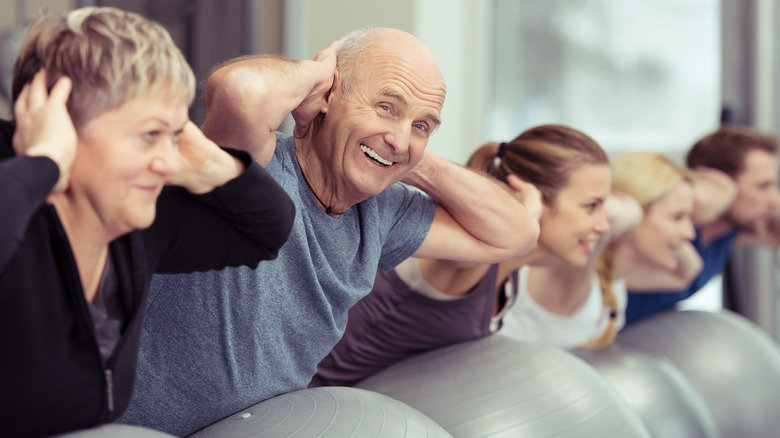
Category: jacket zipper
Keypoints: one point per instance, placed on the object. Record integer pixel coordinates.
(109, 389)
(108, 373)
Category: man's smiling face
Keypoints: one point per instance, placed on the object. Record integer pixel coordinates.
(379, 132)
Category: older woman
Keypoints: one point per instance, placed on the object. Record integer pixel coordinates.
(101, 99)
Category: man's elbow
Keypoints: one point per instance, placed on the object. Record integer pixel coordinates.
(519, 241)
(233, 93)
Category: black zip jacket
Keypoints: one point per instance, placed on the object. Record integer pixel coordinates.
(51, 376)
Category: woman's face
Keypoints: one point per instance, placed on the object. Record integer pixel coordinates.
(123, 158)
(665, 227)
(572, 224)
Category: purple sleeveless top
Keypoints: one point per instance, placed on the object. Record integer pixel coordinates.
(394, 322)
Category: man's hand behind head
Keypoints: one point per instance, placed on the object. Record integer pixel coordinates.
(324, 67)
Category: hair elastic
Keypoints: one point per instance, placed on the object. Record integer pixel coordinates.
(500, 153)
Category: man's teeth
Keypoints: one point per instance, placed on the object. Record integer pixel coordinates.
(374, 156)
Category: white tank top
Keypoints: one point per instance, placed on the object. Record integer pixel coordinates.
(528, 321)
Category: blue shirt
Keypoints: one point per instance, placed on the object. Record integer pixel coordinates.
(217, 342)
(715, 256)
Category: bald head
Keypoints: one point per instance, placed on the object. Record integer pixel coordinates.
(357, 48)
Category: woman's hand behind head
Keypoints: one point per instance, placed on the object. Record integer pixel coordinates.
(43, 125)
(202, 165)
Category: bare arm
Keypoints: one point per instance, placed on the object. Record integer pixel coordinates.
(248, 98)
(457, 277)
(714, 191)
(650, 279)
(476, 219)
(623, 213)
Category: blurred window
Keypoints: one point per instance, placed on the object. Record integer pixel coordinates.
(634, 74)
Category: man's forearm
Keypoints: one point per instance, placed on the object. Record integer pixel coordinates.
(495, 225)
(249, 98)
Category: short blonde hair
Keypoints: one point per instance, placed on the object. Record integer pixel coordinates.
(110, 55)
(647, 176)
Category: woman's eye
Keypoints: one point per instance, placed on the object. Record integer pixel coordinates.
(384, 108)
(151, 136)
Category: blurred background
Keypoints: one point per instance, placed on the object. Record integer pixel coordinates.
(633, 74)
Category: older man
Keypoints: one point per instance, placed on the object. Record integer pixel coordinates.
(217, 342)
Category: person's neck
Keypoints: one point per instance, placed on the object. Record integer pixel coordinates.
(88, 243)
(625, 258)
(321, 184)
(539, 256)
(560, 291)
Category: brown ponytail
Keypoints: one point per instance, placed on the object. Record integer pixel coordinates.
(543, 156)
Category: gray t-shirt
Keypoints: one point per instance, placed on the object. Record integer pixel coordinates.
(216, 342)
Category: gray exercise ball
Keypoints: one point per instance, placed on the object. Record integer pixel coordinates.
(663, 397)
(499, 387)
(329, 412)
(116, 431)
(732, 363)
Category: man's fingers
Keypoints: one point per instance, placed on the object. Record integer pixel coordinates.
(329, 50)
(518, 184)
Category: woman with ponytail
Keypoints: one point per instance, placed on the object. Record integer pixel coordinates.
(647, 249)
(424, 304)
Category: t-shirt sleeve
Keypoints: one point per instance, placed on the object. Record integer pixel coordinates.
(406, 215)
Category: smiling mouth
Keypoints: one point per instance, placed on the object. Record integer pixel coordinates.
(590, 245)
(151, 189)
(370, 153)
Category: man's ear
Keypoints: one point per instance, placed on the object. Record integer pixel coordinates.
(332, 92)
